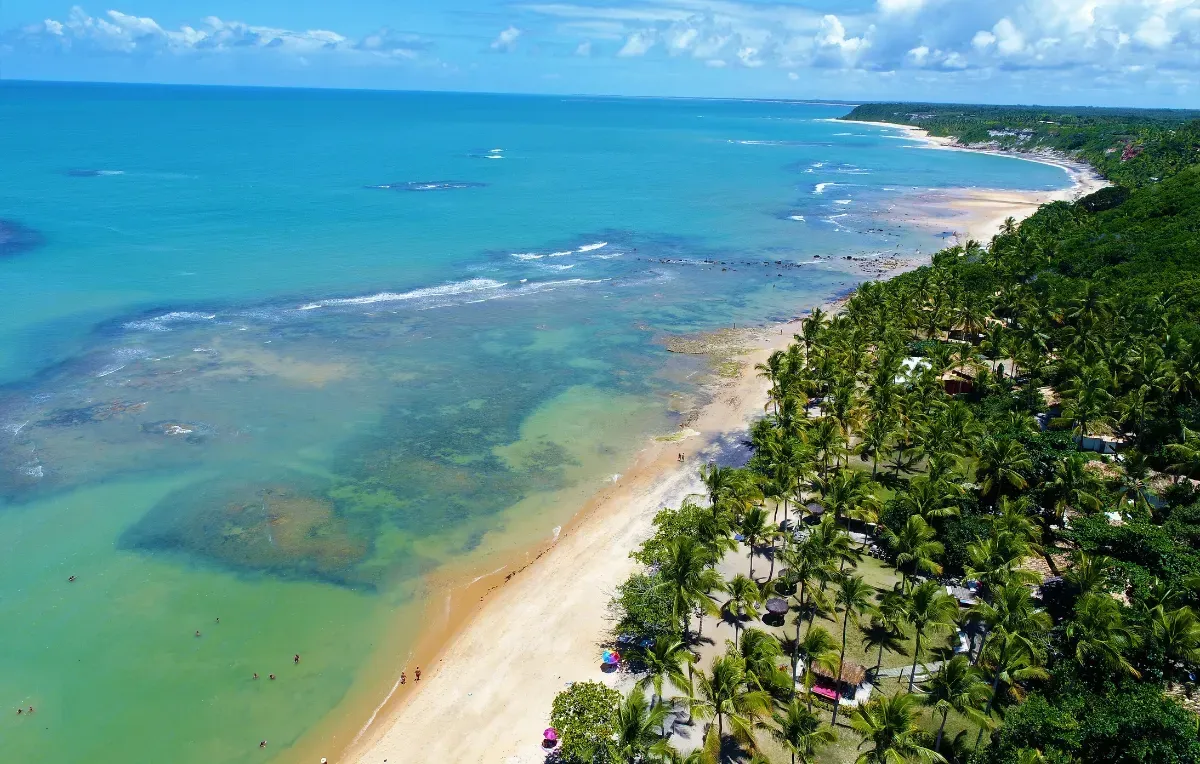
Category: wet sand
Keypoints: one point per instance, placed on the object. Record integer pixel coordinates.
(498, 648)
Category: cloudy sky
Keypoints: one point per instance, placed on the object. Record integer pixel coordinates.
(1111, 52)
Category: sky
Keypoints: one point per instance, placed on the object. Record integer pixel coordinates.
(1093, 52)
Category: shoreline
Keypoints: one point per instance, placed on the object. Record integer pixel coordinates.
(538, 622)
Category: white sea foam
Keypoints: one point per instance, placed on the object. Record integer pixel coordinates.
(110, 172)
(163, 323)
(820, 187)
(607, 257)
(460, 287)
(796, 217)
(527, 256)
(551, 267)
(818, 165)
(110, 370)
(835, 217)
(493, 156)
(591, 247)
(562, 254)
(842, 201)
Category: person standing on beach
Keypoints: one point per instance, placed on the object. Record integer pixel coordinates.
(418, 673)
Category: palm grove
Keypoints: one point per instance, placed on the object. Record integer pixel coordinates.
(1077, 326)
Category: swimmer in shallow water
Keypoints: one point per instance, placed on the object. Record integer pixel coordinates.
(403, 678)
(296, 659)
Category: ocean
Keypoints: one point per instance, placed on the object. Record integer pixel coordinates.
(269, 358)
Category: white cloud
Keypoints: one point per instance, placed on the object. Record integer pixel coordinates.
(121, 33)
(793, 76)
(637, 44)
(900, 6)
(584, 49)
(506, 40)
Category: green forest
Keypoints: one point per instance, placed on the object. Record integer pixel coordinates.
(1130, 147)
(974, 494)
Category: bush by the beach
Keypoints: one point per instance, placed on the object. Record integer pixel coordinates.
(642, 608)
(670, 524)
(585, 716)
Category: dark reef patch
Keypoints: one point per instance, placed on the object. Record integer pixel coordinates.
(287, 527)
(16, 239)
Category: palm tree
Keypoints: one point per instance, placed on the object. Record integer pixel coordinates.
(798, 730)
(890, 725)
(1100, 636)
(915, 548)
(743, 594)
(1185, 456)
(772, 370)
(1087, 399)
(1177, 635)
(760, 652)
(723, 693)
(685, 574)
(1012, 610)
(664, 662)
(636, 738)
(755, 528)
(930, 609)
(853, 598)
(957, 686)
(818, 649)
(884, 630)
(1012, 657)
(1073, 487)
(1000, 467)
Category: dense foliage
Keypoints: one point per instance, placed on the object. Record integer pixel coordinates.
(585, 717)
(960, 421)
(1131, 147)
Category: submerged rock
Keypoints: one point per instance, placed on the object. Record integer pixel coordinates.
(16, 239)
(289, 528)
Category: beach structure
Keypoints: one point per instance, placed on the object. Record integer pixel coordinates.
(851, 689)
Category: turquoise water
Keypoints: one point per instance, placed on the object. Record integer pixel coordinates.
(271, 356)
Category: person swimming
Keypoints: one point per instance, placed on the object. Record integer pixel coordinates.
(256, 675)
(197, 632)
(271, 677)
(403, 678)
(296, 659)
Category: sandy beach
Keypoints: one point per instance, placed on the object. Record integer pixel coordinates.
(492, 672)
(977, 213)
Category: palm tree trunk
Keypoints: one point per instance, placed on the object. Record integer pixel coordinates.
(937, 746)
(987, 711)
(916, 656)
(837, 682)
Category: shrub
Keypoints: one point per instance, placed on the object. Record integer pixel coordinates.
(642, 608)
(585, 717)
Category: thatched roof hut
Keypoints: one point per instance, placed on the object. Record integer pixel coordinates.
(852, 673)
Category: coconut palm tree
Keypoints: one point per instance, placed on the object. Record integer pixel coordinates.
(1099, 634)
(772, 370)
(818, 649)
(884, 631)
(686, 576)
(1011, 610)
(890, 726)
(636, 738)
(915, 548)
(743, 596)
(957, 686)
(760, 652)
(1185, 456)
(722, 693)
(1000, 467)
(665, 661)
(798, 730)
(756, 529)
(930, 609)
(1073, 487)
(1012, 658)
(1087, 400)
(1176, 633)
(853, 598)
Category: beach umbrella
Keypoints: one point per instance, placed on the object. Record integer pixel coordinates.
(551, 735)
(612, 657)
(777, 606)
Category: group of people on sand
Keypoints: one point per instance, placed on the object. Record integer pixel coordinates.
(404, 676)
